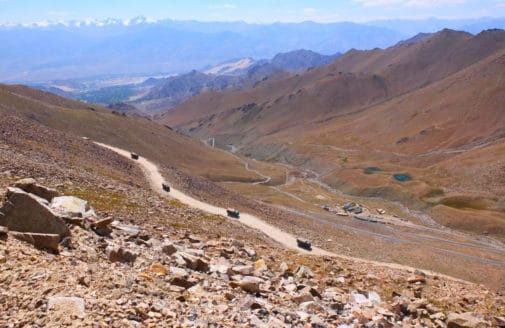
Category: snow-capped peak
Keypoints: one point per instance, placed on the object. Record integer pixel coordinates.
(88, 22)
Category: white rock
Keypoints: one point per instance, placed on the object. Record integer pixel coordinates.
(243, 269)
(67, 306)
(304, 272)
(69, 205)
(304, 316)
(251, 284)
(358, 298)
(374, 298)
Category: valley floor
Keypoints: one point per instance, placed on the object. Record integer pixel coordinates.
(412, 243)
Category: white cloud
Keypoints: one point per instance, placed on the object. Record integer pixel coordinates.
(410, 3)
(499, 3)
(309, 11)
(224, 6)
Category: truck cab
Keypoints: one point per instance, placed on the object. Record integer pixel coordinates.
(304, 243)
(233, 213)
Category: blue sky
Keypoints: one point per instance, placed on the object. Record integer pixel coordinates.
(257, 11)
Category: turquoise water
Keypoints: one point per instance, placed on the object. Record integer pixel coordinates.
(371, 169)
(402, 177)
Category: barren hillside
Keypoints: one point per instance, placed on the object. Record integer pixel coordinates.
(134, 133)
(432, 109)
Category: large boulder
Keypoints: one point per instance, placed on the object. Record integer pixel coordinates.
(25, 212)
(31, 186)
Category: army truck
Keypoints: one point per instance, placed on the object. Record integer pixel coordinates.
(233, 213)
(304, 243)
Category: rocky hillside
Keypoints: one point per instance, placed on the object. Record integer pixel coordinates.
(411, 108)
(121, 130)
(127, 257)
(169, 92)
(299, 60)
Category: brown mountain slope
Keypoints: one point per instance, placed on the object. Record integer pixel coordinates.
(450, 136)
(356, 80)
(433, 109)
(137, 134)
(465, 109)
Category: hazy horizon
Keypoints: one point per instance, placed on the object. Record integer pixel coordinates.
(262, 11)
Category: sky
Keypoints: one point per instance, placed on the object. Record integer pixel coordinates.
(253, 11)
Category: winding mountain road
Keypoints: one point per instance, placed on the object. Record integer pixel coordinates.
(156, 179)
(283, 238)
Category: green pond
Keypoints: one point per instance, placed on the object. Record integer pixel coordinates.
(402, 177)
(371, 169)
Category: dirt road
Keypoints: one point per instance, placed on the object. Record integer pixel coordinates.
(155, 180)
(283, 238)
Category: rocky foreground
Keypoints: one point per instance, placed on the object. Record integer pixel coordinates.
(136, 259)
(62, 264)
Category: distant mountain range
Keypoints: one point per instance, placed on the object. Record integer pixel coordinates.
(158, 94)
(235, 75)
(63, 50)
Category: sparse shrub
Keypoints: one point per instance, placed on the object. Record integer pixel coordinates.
(437, 192)
(464, 202)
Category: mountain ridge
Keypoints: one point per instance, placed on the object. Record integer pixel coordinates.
(410, 106)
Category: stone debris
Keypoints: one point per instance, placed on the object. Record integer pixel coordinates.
(465, 320)
(119, 254)
(155, 276)
(250, 284)
(72, 307)
(168, 248)
(4, 233)
(304, 272)
(158, 269)
(130, 230)
(39, 240)
(417, 277)
(31, 186)
(102, 223)
(195, 262)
